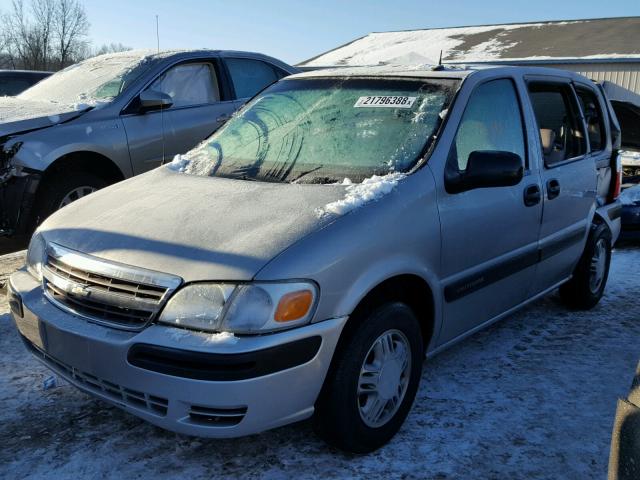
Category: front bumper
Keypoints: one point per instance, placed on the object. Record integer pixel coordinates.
(17, 195)
(100, 360)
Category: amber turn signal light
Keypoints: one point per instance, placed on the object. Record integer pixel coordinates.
(293, 306)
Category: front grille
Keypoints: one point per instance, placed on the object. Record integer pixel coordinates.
(133, 398)
(105, 292)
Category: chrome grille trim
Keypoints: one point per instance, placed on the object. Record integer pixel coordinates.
(105, 292)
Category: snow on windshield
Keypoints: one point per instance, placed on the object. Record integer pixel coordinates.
(323, 130)
(370, 190)
(88, 83)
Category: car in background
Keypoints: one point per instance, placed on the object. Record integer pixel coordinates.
(114, 116)
(624, 457)
(13, 82)
(630, 199)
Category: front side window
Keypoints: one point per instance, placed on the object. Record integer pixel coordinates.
(189, 84)
(593, 118)
(325, 131)
(559, 123)
(492, 121)
(250, 76)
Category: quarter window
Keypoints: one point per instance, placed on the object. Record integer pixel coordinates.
(492, 121)
(251, 76)
(593, 118)
(559, 124)
(189, 84)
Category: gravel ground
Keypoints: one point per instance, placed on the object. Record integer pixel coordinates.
(533, 396)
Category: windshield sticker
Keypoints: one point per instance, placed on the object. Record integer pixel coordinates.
(385, 101)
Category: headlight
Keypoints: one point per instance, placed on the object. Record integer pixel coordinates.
(243, 308)
(36, 255)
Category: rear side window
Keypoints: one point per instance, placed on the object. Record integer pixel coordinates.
(492, 121)
(251, 76)
(593, 118)
(189, 84)
(559, 122)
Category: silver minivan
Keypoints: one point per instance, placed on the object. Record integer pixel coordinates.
(305, 258)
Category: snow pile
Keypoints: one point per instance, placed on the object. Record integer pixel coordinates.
(78, 84)
(13, 109)
(222, 338)
(370, 190)
(630, 196)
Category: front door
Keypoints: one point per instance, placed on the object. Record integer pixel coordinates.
(569, 177)
(489, 235)
(197, 111)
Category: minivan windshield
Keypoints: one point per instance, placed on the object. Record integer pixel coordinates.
(98, 79)
(325, 130)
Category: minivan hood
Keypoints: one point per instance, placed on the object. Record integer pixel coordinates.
(199, 228)
(18, 115)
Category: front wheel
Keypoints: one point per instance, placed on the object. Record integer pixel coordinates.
(586, 287)
(373, 382)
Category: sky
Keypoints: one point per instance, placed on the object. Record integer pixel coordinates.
(297, 30)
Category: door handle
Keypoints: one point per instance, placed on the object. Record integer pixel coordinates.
(553, 188)
(223, 118)
(532, 195)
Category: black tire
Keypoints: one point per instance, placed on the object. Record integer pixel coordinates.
(338, 419)
(580, 292)
(56, 187)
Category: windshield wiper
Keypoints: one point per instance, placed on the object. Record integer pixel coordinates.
(304, 174)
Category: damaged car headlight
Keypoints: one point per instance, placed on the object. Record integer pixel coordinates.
(241, 308)
(36, 256)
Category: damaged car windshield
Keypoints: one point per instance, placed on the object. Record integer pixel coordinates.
(95, 80)
(325, 130)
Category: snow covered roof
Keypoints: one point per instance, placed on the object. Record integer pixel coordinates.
(607, 38)
(418, 70)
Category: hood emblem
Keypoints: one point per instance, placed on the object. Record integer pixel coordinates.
(80, 290)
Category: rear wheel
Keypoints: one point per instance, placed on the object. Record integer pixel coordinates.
(586, 287)
(373, 382)
(63, 188)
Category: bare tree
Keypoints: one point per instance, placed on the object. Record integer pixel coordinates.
(111, 48)
(51, 34)
(71, 26)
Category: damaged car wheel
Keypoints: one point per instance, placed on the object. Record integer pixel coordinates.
(60, 190)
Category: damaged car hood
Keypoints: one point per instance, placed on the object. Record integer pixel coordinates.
(200, 228)
(19, 115)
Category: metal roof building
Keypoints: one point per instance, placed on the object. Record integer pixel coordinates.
(605, 49)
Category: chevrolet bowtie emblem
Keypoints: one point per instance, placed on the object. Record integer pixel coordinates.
(80, 290)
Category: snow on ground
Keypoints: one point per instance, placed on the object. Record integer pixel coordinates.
(531, 397)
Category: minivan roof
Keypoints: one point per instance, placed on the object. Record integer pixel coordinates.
(429, 71)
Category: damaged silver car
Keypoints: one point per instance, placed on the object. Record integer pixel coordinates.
(111, 117)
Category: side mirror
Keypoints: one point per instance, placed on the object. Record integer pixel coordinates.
(154, 100)
(486, 169)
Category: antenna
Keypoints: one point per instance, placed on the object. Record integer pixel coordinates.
(439, 61)
(157, 33)
(162, 107)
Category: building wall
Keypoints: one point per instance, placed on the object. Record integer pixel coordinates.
(627, 75)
